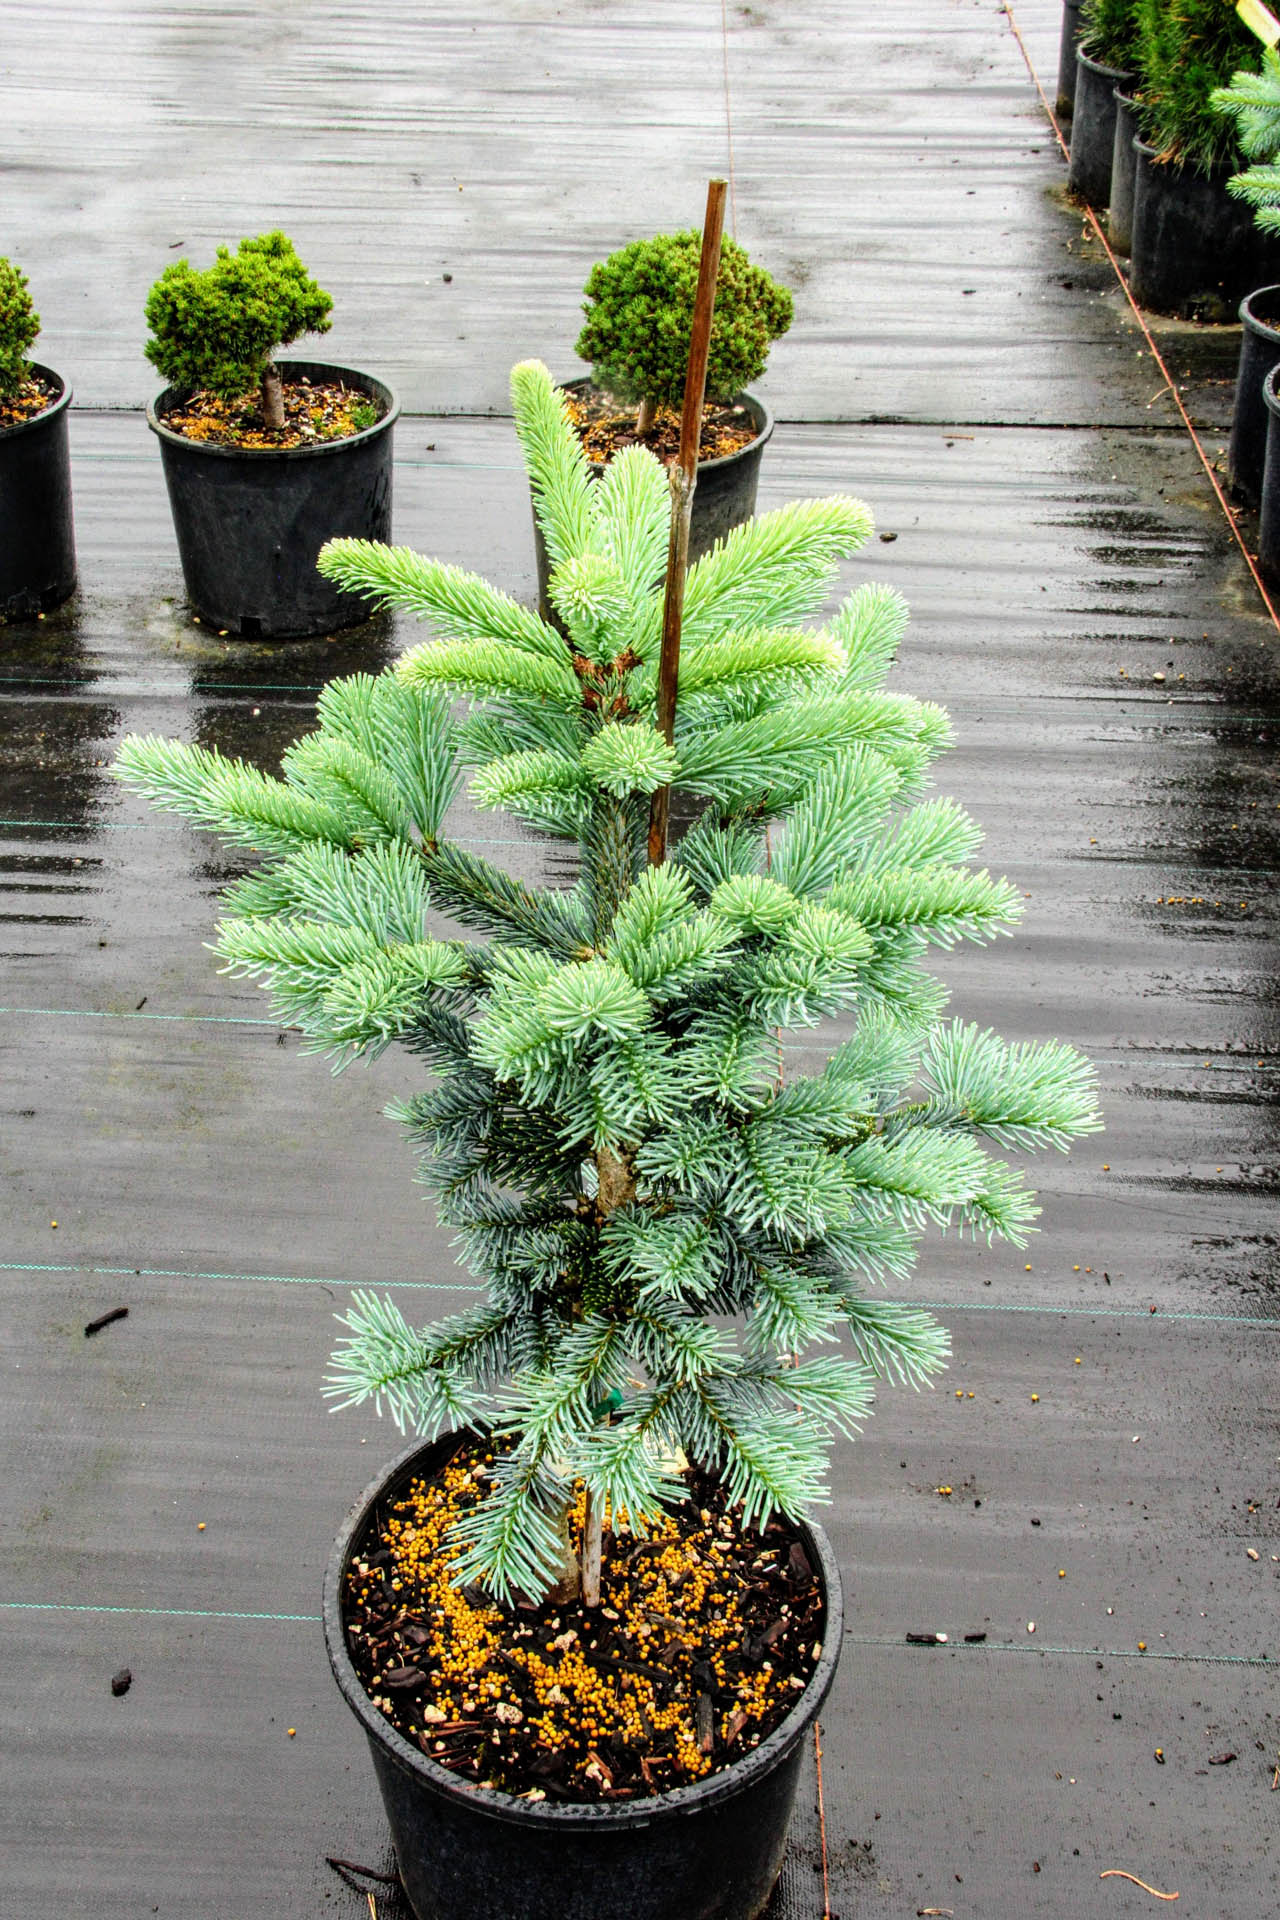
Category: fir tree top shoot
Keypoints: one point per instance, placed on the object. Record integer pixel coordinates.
(682, 1237)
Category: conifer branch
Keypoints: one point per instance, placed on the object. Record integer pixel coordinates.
(563, 498)
(481, 895)
(460, 606)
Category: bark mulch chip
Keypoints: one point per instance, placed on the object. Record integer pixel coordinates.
(706, 1634)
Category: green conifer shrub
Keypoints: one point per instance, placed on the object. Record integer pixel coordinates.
(1109, 33)
(639, 310)
(19, 325)
(1186, 49)
(1252, 102)
(217, 329)
(683, 1246)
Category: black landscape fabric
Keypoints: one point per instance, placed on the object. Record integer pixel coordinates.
(1089, 1484)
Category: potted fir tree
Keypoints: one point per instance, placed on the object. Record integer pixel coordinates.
(263, 460)
(1252, 103)
(1068, 42)
(672, 1231)
(1105, 59)
(37, 537)
(639, 312)
(1193, 250)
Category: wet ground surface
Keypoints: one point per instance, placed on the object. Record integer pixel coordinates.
(450, 174)
(1080, 609)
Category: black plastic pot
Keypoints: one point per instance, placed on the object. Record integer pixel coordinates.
(37, 536)
(1269, 505)
(250, 524)
(1093, 129)
(1194, 252)
(1124, 162)
(711, 1851)
(1067, 59)
(724, 498)
(1259, 353)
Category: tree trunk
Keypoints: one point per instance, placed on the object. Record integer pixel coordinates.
(617, 1186)
(617, 1180)
(568, 1583)
(592, 1551)
(272, 399)
(645, 418)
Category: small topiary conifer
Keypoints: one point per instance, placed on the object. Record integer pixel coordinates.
(682, 1238)
(218, 329)
(1109, 33)
(1252, 102)
(1186, 49)
(639, 310)
(19, 326)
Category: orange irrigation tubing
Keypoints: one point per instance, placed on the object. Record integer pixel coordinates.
(1092, 220)
(822, 1821)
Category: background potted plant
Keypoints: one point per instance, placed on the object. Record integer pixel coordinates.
(1193, 251)
(1105, 58)
(1068, 41)
(1252, 104)
(37, 537)
(639, 312)
(263, 459)
(1124, 165)
(672, 1232)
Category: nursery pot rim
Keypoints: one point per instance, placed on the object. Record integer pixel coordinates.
(757, 407)
(548, 1815)
(1269, 393)
(55, 407)
(170, 397)
(1121, 75)
(1268, 329)
(1179, 167)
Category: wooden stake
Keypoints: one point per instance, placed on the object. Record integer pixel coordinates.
(684, 477)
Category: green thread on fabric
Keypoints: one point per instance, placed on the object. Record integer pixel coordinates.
(270, 1279)
(109, 1013)
(1080, 1653)
(163, 1613)
(435, 1286)
(851, 1639)
(1096, 1313)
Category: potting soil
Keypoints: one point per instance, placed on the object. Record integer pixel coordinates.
(705, 1635)
(313, 412)
(605, 426)
(31, 399)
